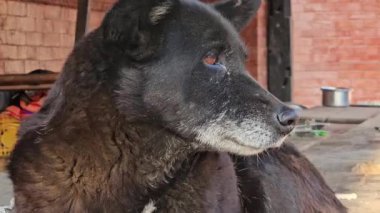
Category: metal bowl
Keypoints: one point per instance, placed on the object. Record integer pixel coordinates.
(336, 96)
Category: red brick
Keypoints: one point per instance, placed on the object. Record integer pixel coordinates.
(3, 7)
(2, 67)
(44, 26)
(364, 83)
(315, 75)
(47, 26)
(56, 51)
(255, 37)
(68, 14)
(108, 6)
(25, 52)
(62, 27)
(51, 40)
(372, 74)
(35, 10)
(31, 65)
(72, 28)
(308, 101)
(34, 38)
(21, 52)
(366, 66)
(16, 8)
(67, 40)
(8, 22)
(3, 37)
(8, 52)
(14, 67)
(15, 37)
(336, 83)
(373, 41)
(26, 24)
(60, 52)
(44, 53)
(96, 5)
(95, 19)
(351, 74)
(307, 92)
(365, 97)
(313, 83)
(361, 15)
(52, 12)
(53, 65)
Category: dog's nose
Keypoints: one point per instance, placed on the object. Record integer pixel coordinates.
(288, 117)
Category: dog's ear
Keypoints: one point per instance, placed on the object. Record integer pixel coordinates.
(134, 25)
(239, 12)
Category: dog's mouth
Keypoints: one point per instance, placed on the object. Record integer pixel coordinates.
(243, 138)
(245, 149)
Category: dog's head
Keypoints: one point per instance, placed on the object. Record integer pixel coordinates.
(180, 63)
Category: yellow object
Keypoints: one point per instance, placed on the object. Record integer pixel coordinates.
(8, 134)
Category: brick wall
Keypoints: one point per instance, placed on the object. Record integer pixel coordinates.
(40, 33)
(336, 43)
(255, 37)
(37, 35)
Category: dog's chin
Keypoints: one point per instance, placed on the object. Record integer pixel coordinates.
(243, 148)
(246, 149)
(235, 148)
(247, 138)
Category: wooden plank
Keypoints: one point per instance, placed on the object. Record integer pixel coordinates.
(279, 49)
(349, 115)
(83, 16)
(28, 79)
(25, 87)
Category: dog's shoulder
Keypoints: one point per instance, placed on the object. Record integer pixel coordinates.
(211, 186)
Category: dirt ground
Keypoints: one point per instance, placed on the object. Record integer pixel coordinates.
(349, 159)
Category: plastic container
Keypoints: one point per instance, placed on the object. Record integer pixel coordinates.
(8, 134)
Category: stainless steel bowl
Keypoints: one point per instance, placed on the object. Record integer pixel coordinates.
(336, 96)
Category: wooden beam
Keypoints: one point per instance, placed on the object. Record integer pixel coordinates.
(26, 87)
(279, 49)
(28, 79)
(83, 17)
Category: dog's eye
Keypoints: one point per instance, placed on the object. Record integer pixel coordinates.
(215, 60)
(211, 58)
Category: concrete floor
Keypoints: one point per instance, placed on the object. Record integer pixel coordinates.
(5, 189)
(349, 159)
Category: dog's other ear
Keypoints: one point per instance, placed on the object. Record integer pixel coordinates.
(134, 25)
(239, 12)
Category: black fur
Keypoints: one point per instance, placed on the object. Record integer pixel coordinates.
(132, 118)
(283, 180)
(239, 12)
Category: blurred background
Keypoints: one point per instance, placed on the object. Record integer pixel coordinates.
(317, 42)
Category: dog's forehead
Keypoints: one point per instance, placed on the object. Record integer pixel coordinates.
(198, 15)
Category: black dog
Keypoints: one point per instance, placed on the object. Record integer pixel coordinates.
(143, 113)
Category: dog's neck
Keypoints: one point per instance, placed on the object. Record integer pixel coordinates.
(152, 160)
(154, 153)
(147, 159)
